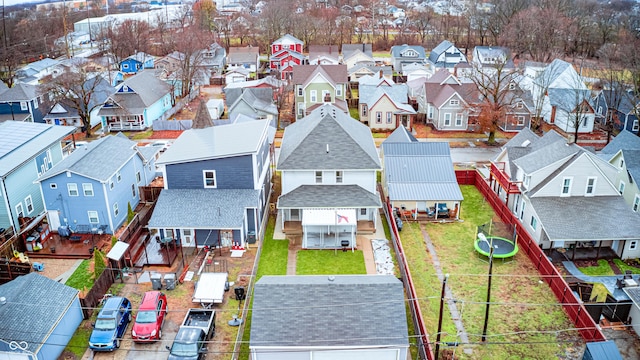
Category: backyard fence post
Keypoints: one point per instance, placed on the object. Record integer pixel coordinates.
(486, 314)
(444, 287)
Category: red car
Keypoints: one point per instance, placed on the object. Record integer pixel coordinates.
(150, 317)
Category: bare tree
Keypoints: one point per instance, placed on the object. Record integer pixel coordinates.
(422, 21)
(128, 38)
(193, 45)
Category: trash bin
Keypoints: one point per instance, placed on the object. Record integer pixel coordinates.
(170, 281)
(156, 281)
(251, 237)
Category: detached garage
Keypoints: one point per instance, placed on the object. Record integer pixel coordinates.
(350, 317)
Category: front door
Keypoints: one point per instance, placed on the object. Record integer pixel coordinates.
(187, 237)
(54, 219)
(295, 214)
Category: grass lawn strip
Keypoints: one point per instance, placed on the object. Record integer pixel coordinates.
(603, 269)
(330, 262)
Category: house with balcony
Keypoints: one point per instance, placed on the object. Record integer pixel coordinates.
(136, 103)
(22, 102)
(77, 192)
(286, 53)
(623, 152)
(559, 191)
(217, 184)
(28, 151)
(329, 164)
(316, 85)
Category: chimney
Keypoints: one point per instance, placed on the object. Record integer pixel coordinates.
(380, 74)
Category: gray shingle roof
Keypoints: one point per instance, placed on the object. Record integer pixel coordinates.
(350, 144)
(581, 218)
(401, 134)
(435, 53)
(624, 140)
(420, 171)
(547, 155)
(19, 92)
(521, 137)
(35, 305)
(397, 93)
(99, 160)
(147, 90)
(216, 141)
(348, 49)
(632, 160)
(203, 208)
(351, 310)
(22, 141)
(328, 196)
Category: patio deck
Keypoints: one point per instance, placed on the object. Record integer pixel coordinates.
(295, 227)
(584, 253)
(155, 253)
(76, 246)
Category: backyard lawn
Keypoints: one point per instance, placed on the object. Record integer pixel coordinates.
(524, 315)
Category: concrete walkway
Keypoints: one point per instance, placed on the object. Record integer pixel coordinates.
(608, 281)
(62, 278)
(453, 309)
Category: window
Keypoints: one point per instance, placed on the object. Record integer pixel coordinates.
(339, 90)
(116, 211)
(534, 222)
(209, 178)
(636, 125)
(118, 176)
(621, 164)
(299, 90)
(566, 187)
(138, 177)
(300, 110)
(338, 177)
(133, 190)
(110, 183)
(522, 210)
(519, 105)
(454, 102)
(73, 189)
(591, 185)
(520, 121)
(388, 117)
(621, 187)
(447, 119)
(29, 202)
(318, 177)
(364, 110)
(379, 117)
(363, 211)
(633, 245)
(326, 96)
(458, 119)
(53, 186)
(512, 86)
(35, 103)
(23, 105)
(314, 95)
(19, 210)
(636, 203)
(87, 189)
(93, 217)
(584, 121)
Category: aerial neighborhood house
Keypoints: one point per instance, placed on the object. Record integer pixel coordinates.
(136, 62)
(217, 183)
(171, 62)
(323, 55)
(619, 107)
(376, 79)
(407, 54)
(315, 85)
(492, 57)
(518, 109)
(446, 56)
(447, 101)
(211, 60)
(360, 70)
(357, 54)
(28, 151)
(364, 329)
(286, 53)
(238, 74)
(244, 57)
(77, 192)
(22, 102)
(418, 70)
(328, 163)
(277, 86)
(418, 177)
(32, 73)
(136, 104)
(252, 102)
(385, 107)
(623, 152)
(559, 192)
(43, 313)
(66, 112)
(566, 100)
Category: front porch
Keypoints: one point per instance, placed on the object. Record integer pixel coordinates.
(558, 255)
(294, 228)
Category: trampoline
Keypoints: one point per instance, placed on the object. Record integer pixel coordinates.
(502, 248)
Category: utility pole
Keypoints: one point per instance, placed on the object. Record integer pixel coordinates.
(438, 334)
(64, 25)
(486, 313)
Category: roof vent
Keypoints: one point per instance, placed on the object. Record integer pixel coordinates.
(331, 278)
(327, 148)
(3, 300)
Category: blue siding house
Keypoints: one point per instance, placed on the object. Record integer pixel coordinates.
(217, 183)
(94, 185)
(136, 104)
(39, 317)
(136, 62)
(27, 151)
(22, 102)
(620, 109)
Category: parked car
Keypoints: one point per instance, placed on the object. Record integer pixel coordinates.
(198, 326)
(150, 317)
(111, 324)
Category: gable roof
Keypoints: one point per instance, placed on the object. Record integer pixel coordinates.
(375, 316)
(568, 99)
(397, 93)
(442, 47)
(349, 49)
(21, 141)
(248, 54)
(111, 152)
(632, 162)
(140, 56)
(329, 196)
(335, 74)
(546, 155)
(270, 80)
(397, 50)
(624, 140)
(288, 38)
(317, 51)
(147, 89)
(401, 135)
(348, 141)
(523, 138)
(19, 92)
(35, 305)
(216, 142)
(258, 103)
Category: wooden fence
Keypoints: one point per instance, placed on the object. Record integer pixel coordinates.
(576, 312)
(92, 298)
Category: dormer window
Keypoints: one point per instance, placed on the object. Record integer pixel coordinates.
(512, 86)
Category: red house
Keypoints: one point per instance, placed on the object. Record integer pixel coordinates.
(286, 52)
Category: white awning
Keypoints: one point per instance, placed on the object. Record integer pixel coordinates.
(329, 217)
(118, 250)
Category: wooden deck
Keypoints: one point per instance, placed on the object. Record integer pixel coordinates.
(293, 228)
(76, 246)
(155, 253)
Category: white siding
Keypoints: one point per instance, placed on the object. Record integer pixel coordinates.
(293, 179)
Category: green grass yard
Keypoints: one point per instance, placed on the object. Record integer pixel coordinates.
(330, 262)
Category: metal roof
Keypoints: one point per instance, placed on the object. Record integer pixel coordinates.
(22, 141)
(35, 306)
(340, 310)
(431, 148)
(203, 208)
(216, 142)
(329, 196)
(328, 139)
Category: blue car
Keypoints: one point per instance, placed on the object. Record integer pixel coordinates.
(111, 324)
